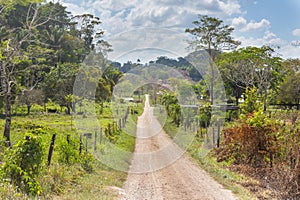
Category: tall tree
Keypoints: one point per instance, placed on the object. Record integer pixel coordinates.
(86, 27)
(212, 35)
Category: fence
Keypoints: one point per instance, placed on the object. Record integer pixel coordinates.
(107, 132)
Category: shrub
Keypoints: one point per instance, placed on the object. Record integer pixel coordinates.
(250, 145)
(251, 103)
(87, 162)
(68, 152)
(250, 141)
(23, 163)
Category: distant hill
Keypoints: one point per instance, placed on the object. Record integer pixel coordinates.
(180, 63)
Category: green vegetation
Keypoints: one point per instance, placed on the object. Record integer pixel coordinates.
(260, 135)
(258, 154)
(57, 88)
(71, 174)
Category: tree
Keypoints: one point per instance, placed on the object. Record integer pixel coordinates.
(172, 107)
(41, 45)
(59, 82)
(290, 90)
(16, 37)
(30, 97)
(291, 66)
(86, 27)
(70, 103)
(211, 34)
(112, 75)
(251, 66)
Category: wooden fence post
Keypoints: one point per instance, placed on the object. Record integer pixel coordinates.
(206, 131)
(80, 144)
(219, 133)
(87, 136)
(51, 149)
(68, 139)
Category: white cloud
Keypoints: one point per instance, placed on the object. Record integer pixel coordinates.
(76, 9)
(230, 7)
(242, 25)
(118, 16)
(139, 42)
(268, 38)
(296, 32)
(286, 49)
(263, 24)
(128, 18)
(239, 22)
(290, 51)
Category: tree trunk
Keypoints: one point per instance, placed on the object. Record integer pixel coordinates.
(28, 109)
(237, 100)
(265, 100)
(212, 78)
(7, 119)
(6, 90)
(68, 110)
(73, 107)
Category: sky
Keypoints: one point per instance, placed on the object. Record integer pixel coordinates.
(146, 29)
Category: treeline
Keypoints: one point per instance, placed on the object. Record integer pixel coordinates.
(180, 63)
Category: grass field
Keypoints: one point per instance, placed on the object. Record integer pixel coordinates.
(91, 177)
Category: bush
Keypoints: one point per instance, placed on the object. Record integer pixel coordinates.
(251, 103)
(68, 152)
(205, 115)
(87, 162)
(23, 163)
(250, 145)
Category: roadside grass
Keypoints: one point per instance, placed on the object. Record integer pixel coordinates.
(218, 170)
(71, 181)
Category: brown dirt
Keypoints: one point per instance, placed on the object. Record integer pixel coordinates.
(161, 171)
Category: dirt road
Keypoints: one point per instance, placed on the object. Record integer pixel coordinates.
(161, 171)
